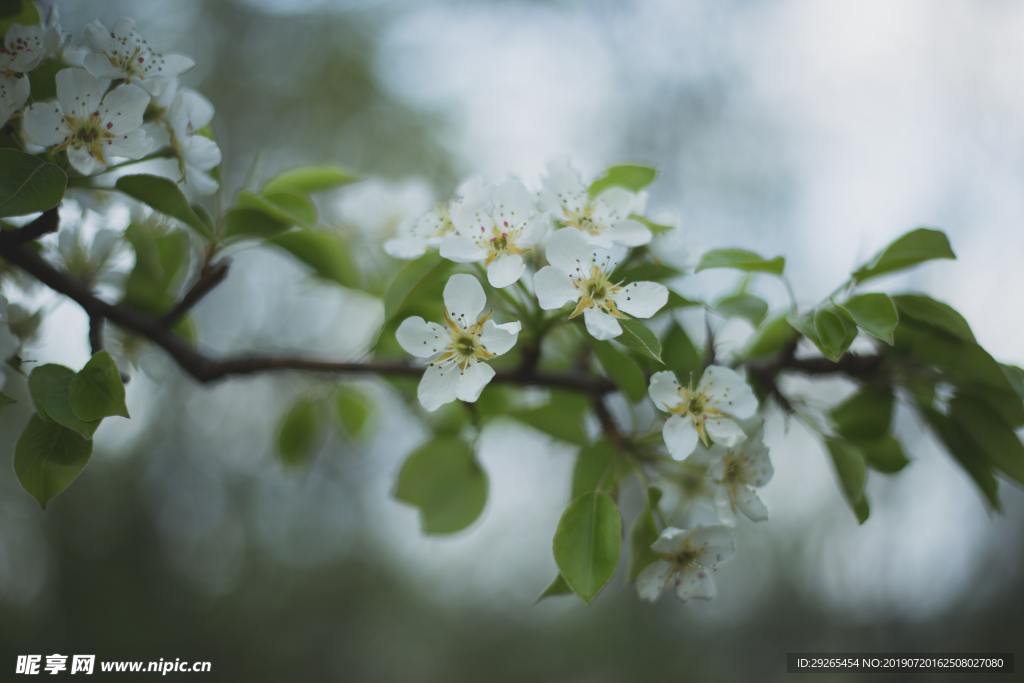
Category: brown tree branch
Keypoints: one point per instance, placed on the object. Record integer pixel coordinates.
(46, 222)
(209, 277)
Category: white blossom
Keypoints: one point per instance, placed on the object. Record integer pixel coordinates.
(92, 127)
(416, 235)
(581, 273)
(737, 471)
(23, 49)
(604, 220)
(458, 349)
(705, 412)
(181, 129)
(121, 53)
(688, 560)
(494, 226)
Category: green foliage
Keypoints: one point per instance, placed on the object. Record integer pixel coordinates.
(851, 468)
(50, 387)
(997, 441)
(48, 457)
(555, 588)
(632, 177)
(28, 184)
(876, 314)
(639, 338)
(931, 313)
(161, 260)
(751, 308)
(164, 196)
(884, 454)
(300, 432)
(866, 414)
(97, 391)
(326, 254)
(252, 223)
(655, 228)
(771, 338)
(597, 468)
(741, 259)
(354, 411)
(912, 248)
(643, 534)
(680, 354)
(964, 450)
(309, 179)
(443, 479)
(286, 207)
(561, 417)
(830, 328)
(587, 542)
(621, 369)
(22, 12)
(410, 279)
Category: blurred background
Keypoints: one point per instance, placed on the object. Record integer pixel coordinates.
(815, 130)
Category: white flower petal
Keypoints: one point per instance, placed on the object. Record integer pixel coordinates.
(569, 251)
(201, 152)
(189, 113)
(84, 162)
(123, 107)
(473, 380)
(79, 92)
(564, 191)
(553, 287)
(629, 232)
(44, 124)
(464, 299)
(757, 469)
(724, 431)
(664, 390)
(641, 299)
(439, 385)
(671, 541)
(695, 583)
(175, 65)
(505, 270)
(198, 181)
(716, 543)
(652, 580)
(406, 248)
(680, 436)
(420, 338)
(728, 392)
(749, 503)
(133, 144)
(461, 249)
(513, 204)
(100, 66)
(600, 325)
(498, 339)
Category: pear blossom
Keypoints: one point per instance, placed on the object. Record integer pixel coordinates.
(494, 226)
(580, 273)
(23, 49)
(418, 235)
(121, 53)
(92, 127)
(705, 412)
(90, 250)
(737, 471)
(604, 220)
(460, 348)
(688, 559)
(187, 114)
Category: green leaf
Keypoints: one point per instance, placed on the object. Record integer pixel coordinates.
(865, 415)
(677, 300)
(962, 447)
(884, 454)
(286, 207)
(561, 417)
(48, 457)
(28, 184)
(835, 331)
(161, 260)
(555, 588)
(934, 314)
(252, 223)
(50, 387)
(6, 400)
(999, 443)
(643, 534)
(22, 12)
(751, 308)
(876, 314)
(97, 391)
(309, 179)
(639, 337)
(770, 339)
(680, 354)
(354, 411)
(300, 432)
(916, 246)
(408, 279)
(655, 228)
(587, 543)
(851, 469)
(632, 177)
(164, 196)
(741, 259)
(622, 370)
(325, 253)
(443, 479)
(596, 469)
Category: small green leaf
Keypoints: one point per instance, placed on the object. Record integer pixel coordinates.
(935, 314)
(6, 400)
(865, 415)
(50, 387)
(326, 254)
(621, 369)
(587, 543)
(876, 314)
(354, 411)
(639, 337)
(912, 248)
(997, 440)
(655, 228)
(28, 184)
(286, 207)
(751, 308)
(443, 479)
(596, 469)
(300, 432)
(97, 391)
(851, 469)
(741, 259)
(680, 354)
(408, 279)
(161, 260)
(632, 177)
(252, 223)
(643, 534)
(835, 330)
(48, 457)
(555, 588)
(884, 454)
(962, 447)
(309, 179)
(164, 196)
(770, 339)
(561, 417)
(22, 12)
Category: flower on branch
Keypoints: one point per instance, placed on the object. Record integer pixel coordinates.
(688, 559)
(182, 129)
(705, 413)
(735, 471)
(580, 273)
(92, 127)
(121, 53)
(416, 236)
(23, 49)
(460, 348)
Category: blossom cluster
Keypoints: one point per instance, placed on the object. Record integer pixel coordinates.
(118, 100)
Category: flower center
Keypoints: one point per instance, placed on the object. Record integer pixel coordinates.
(583, 220)
(597, 291)
(465, 347)
(89, 133)
(501, 242)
